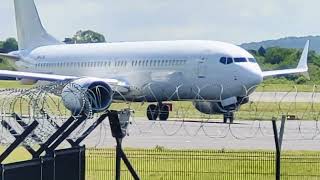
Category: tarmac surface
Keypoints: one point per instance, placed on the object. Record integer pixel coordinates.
(298, 135)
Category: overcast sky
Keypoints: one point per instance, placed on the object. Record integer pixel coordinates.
(233, 21)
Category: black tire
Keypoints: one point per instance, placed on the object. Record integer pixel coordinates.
(164, 113)
(228, 116)
(231, 118)
(225, 119)
(152, 112)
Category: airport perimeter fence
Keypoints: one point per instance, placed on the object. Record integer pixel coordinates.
(163, 164)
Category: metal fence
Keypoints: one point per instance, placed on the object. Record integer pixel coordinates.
(163, 164)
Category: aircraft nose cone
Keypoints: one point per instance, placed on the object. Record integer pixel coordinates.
(252, 76)
(257, 78)
(254, 79)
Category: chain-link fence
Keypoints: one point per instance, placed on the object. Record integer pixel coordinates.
(154, 164)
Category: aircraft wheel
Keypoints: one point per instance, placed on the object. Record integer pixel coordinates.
(228, 116)
(225, 119)
(152, 112)
(164, 113)
(231, 117)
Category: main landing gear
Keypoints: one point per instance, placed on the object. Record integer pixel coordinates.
(160, 110)
(228, 116)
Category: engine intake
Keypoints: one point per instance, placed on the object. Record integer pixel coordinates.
(87, 94)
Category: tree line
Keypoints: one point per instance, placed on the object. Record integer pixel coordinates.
(80, 37)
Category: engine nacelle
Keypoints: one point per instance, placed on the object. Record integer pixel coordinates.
(87, 94)
(28, 81)
(209, 107)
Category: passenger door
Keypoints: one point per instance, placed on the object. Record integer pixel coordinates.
(202, 68)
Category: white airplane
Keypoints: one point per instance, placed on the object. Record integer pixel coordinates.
(217, 77)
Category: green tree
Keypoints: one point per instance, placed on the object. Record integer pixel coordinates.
(261, 51)
(276, 55)
(301, 80)
(68, 41)
(87, 37)
(9, 45)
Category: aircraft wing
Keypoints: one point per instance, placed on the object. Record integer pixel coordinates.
(9, 56)
(302, 67)
(35, 76)
(117, 85)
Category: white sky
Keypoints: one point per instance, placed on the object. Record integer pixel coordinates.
(233, 21)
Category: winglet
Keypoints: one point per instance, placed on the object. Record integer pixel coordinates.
(302, 67)
(303, 62)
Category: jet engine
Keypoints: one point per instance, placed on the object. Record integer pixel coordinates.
(87, 94)
(210, 107)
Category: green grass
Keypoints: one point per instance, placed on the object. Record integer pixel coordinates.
(167, 164)
(261, 88)
(20, 154)
(204, 164)
(184, 110)
(287, 88)
(252, 111)
(13, 84)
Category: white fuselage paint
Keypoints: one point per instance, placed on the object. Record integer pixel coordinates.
(156, 71)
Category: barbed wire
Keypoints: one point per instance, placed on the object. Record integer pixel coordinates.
(44, 104)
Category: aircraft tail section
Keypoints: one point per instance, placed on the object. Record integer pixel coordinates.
(31, 33)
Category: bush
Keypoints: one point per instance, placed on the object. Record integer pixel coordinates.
(301, 80)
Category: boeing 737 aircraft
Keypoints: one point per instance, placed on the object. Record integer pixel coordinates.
(217, 77)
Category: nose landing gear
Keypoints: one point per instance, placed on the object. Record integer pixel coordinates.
(228, 116)
(155, 111)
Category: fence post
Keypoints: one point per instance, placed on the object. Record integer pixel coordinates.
(278, 137)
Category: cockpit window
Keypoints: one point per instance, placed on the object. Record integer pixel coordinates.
(226, 60)
(223, 60)
(252, 60)
(239, 60)
(229, 60)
